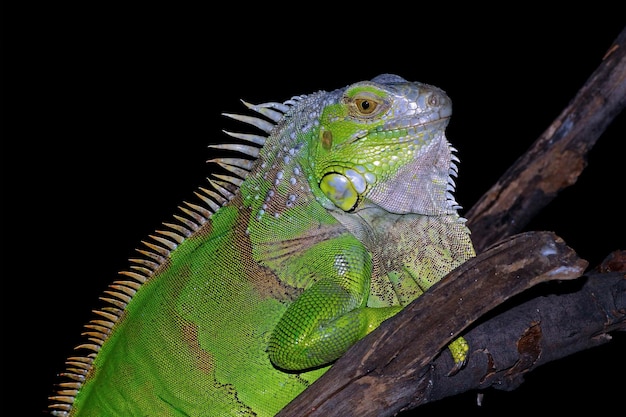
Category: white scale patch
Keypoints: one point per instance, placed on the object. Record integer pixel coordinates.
(340, 264)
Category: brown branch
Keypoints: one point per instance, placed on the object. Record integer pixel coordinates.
(557, 157)
(554, 321)
(391, 367)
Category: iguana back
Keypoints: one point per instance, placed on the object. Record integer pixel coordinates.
(340, 214)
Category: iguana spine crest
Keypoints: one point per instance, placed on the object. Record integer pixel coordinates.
(166, 241)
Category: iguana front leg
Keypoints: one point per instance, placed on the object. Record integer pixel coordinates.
(331, 315)
(459, 349)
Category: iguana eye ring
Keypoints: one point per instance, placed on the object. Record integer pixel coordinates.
(433, 100)
(365, 106)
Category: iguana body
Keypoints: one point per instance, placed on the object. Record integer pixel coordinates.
(344, 216)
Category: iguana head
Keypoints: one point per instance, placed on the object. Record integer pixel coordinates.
(380, 142)
(383, 142)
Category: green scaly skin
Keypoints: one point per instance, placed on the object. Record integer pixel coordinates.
(344, 216)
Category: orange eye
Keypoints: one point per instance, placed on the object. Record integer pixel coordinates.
(365, 106)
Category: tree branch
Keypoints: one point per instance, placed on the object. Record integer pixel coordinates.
(557, 157)
(547, 323)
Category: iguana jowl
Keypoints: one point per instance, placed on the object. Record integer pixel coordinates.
(342, 214)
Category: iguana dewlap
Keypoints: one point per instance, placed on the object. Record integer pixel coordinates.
(339, 213)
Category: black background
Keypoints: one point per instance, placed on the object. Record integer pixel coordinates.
(116, 105)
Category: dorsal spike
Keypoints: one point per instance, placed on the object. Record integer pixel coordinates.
(248, 137)
(120, 295)
(113, 310)
(294, 100)
(69, 387)
(192, 226)
(252, 151)
(175, 237)
(208, 201)
(264, 125)
(180, 228)
(238, 166)
(147, 263)
(265, 110)
(89, 346)
(120, 287)
(165, 242)
(201, 210)
(192, 214)
(111, 317)
(229, 178)
(98, 328)
(236, 162)
(156, 249)
(281, 107)
(219, 187)
(80, 359)
(142, 270)
(150, 254)
(140, 278)
(130, 285)
(102, 323)
(117, 303)
(217, 198)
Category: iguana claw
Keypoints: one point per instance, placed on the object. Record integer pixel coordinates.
(459, 348)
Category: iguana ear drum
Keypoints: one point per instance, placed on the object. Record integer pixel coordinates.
(327, 139)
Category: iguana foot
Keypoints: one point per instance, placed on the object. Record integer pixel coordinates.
(459, 348)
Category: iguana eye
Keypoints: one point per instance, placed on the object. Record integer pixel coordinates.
(365, 106)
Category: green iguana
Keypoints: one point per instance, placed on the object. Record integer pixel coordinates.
(339, 215)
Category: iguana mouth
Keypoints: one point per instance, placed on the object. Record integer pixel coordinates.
(417, 123)
(413, 129)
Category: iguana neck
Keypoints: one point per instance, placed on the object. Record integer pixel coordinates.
(280, 177)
